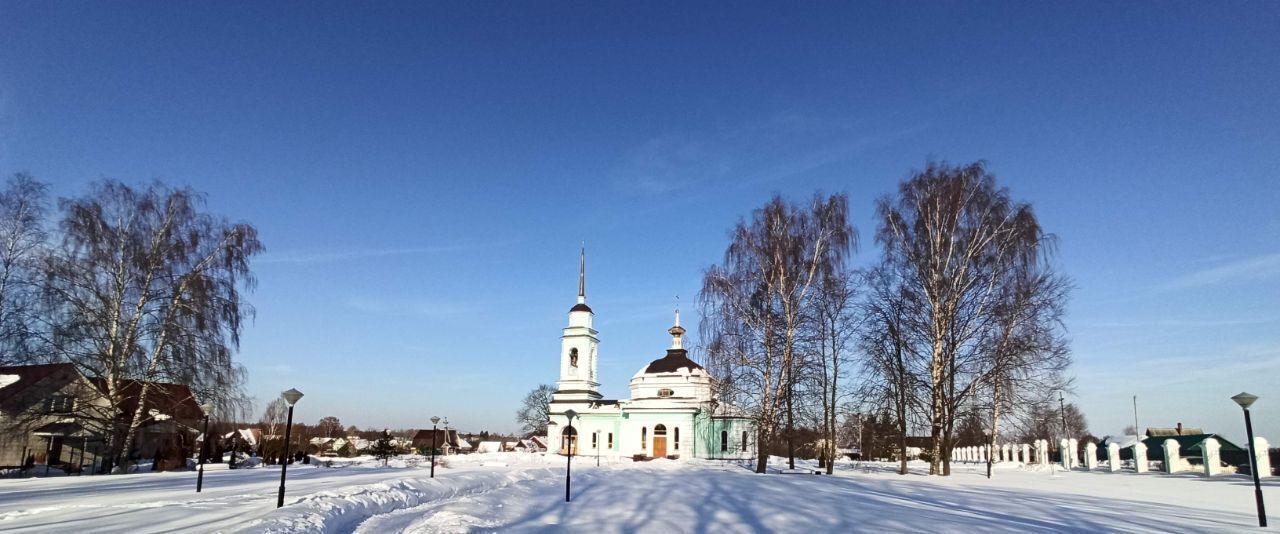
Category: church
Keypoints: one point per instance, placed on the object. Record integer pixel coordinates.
(672, 412)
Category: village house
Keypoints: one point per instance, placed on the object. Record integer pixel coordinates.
(449, 442)
(52, 414)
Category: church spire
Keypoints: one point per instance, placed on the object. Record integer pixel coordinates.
(677, 331)
(582, 275)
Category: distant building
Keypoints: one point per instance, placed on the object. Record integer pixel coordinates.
(489, 446)
(447, 440)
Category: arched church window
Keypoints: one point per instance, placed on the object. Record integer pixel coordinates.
(744, 441)
(724, 441)
(660, 430)
(611, 440)
(594, 436)
(644, 438)
(573, 357)
(664, 393)
(677, 438)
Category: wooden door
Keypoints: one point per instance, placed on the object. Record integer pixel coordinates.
(659, 446)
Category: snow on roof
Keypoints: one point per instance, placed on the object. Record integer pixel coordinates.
(8, 379)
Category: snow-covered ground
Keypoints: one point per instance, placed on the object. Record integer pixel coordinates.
(523, 493)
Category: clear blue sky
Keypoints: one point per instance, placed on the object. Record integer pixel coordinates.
(422, 173)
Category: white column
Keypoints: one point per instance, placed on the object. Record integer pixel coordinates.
(1140, 457)
(1172, 460)
(1026, 454)
(1064, 453)
(1073, 446)
(1044, 452)
(1212, 462)
(1262, 459)
(1090, 456)
(1113, 456)
(1006, 452)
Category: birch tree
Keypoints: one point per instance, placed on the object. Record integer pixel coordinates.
(23, 207)
(754, 304)
(952, 235)
(148, 287)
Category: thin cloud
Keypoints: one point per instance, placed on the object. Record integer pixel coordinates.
(769, 150)
(408, 307)
(1247, 270)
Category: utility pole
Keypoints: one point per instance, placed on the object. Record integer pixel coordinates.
(1136, 430)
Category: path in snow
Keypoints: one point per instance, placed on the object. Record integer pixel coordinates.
(525, 493)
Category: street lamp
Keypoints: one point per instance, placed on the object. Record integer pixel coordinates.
(568, 466)
(1246, 400)
(434, 422)
(290, 397)
(204, 446)
(596, 442)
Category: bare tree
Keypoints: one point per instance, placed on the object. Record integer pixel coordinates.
(274, 418)
(952, 236)
(23, 206)
(329, 426)
(535, 411)
(893, 363)
(836, 324)
(148, 287)
(754, 305)
(1026, 350)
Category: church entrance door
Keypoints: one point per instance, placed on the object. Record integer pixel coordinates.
(659, 441)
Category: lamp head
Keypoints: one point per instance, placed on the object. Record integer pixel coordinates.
(291, 396)
(1245, 400)
(435, 420)
(207, 408)
(570, 414)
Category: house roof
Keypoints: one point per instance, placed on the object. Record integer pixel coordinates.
(174, 400)
(31, 376)
(1191, 442)
(424, 437)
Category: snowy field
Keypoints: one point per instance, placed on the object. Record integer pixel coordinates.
(512, 492)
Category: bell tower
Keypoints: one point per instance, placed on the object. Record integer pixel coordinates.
(578, 381)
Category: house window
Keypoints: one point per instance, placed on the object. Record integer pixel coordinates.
(644, 438)
(744, 441)
(594, 436)
(61, 404)
(611, 440)
(677, 447)
(724, 441)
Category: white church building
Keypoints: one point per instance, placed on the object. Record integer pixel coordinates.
(671, 412)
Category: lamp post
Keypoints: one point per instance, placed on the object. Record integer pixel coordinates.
(204, 446)
(290, 397)
(568, 466)
(597, 443)
(1246, 400)
(434, 421)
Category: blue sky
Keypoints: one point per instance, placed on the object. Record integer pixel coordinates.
(422, 174)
